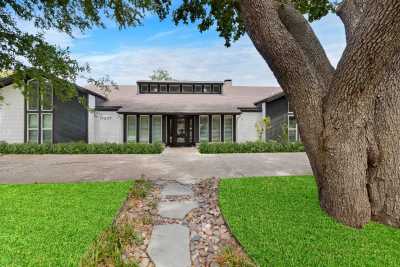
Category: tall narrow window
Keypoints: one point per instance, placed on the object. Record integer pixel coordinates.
(144, 129)
(216, 88)
(33, 95)
(47, 128)
(198, 88)
(33, 128)
(207, 88)
(228, 128)
(156, 129)
(216, 128)
(163, 88)
(187, 88)
(131, 129)
(175, 88)
(292, 128)
(47, 97)
(144, 88)
(153, 88)
(204, 134)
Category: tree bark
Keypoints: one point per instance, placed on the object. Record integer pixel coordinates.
(341, 111)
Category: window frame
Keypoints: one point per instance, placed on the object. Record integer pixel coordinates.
(198, 86)
(142, 86)
(227, 118)
(140, 129)
(208, 128)
(296, 128)
(28, 129)
(152, 128)
(187, 85)
(38, 97)
(219, 128)
(42, 128)
(178, 86)
(52, 99)
(127, 129)
(216, 86)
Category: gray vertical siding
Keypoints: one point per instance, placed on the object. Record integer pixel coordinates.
(277, 110)
(70, 122)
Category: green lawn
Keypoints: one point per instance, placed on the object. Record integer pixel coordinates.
(53, 224)
(279, 223)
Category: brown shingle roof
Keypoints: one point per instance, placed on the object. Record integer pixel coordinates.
(232, 98)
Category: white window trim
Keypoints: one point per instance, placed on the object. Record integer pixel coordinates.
(42, 127)
(208, 128)
(231, 118)
(127, 129)
(28, 129)
(220, 134)
(148, 127)
(161, 132)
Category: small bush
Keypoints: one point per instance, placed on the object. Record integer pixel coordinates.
(81, 148)
(250, 147)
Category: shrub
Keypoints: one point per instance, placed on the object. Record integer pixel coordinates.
(250, 147)
(81, 148)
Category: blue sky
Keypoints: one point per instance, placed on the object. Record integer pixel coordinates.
(131, 54)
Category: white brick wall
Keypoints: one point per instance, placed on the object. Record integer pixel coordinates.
(246, 129)
(108, 127)
(12, 115)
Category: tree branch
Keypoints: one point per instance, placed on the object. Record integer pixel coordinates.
(305, 37)
(350, 12)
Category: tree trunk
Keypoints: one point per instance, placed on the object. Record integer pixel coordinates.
(349, 118)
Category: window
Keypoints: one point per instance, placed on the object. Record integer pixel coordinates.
(187, 88)
(33, 128)
(33, 95)
(174, 88)
(153, 88)
(156, 129)
(216, 128)
(47, 98)
(131, 129)
(204, 134)
(163, 88)
(47, 128)
(144, 88)
(292, 129)
(216, 88)
(207, 88)
(198, 88)
(144, 129)
(228, 128)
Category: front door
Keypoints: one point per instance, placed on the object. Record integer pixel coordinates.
(181, 131)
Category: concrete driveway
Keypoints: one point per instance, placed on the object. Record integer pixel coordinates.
(185, 165)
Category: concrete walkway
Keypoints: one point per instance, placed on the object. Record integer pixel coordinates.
(169, 244)
(185, 163)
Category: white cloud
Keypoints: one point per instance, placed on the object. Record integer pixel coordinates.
(241, 62)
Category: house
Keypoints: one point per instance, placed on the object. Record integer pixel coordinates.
(177, 113)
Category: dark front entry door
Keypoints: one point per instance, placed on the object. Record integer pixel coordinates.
(181, 131)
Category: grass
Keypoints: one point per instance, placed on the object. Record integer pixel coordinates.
(279, 223)
(53, 224)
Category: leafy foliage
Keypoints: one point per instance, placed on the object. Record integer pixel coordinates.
(161, 75)
(250, 147)
(28, 55)
(81, 148)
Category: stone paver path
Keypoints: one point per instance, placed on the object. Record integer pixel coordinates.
(169, 244)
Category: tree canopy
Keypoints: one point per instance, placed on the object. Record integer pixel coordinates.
(28, 55)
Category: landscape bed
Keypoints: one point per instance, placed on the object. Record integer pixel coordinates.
(81, 148)
(250, 147)
(279, 223)
(54, 224)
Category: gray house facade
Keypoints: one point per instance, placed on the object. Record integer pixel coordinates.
(176, 113)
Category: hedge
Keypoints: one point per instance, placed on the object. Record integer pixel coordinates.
(81, 148)
(250, 147)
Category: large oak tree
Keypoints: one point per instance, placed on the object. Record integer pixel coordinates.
(348, 116)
